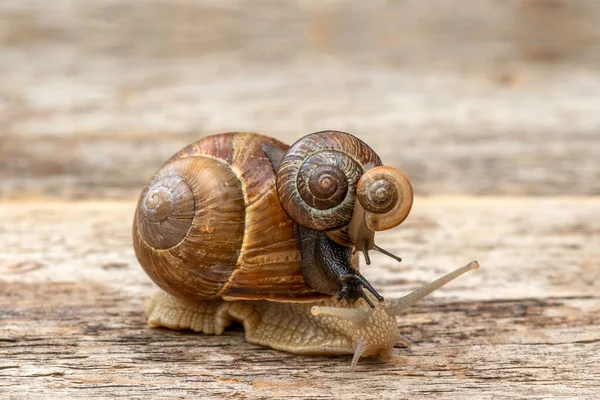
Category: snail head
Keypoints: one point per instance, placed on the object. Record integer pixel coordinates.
(385, 198)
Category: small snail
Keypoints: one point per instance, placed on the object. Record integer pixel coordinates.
(240, 227)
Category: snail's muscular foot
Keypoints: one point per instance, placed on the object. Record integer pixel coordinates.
(352, 289)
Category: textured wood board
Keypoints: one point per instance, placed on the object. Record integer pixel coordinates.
(468, 98)
(483, 97)
(525, 325)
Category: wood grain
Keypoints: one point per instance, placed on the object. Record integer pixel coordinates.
(485, 98)
(526, 325)
(498, 98)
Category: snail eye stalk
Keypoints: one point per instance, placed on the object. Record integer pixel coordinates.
(387, 253)
(396, 306)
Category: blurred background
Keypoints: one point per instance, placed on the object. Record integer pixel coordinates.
(467, 97)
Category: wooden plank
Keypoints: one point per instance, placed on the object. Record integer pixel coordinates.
(499, 98)
(525, 325)
(117, 167)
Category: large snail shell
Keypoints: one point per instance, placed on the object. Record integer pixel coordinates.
(318, 176)
(209, 224)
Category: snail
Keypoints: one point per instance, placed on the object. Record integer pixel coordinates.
(241, 227)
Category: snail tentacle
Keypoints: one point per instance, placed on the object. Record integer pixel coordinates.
(396, 306)
(387, 253)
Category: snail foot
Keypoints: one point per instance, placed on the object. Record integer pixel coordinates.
(165, 310)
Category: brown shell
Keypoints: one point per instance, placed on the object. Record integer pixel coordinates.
(317, 179)
(387, 196)
(228, 236)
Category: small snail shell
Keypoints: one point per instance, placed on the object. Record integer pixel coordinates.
(387, 196)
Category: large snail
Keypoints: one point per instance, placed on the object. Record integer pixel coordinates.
(239, 227)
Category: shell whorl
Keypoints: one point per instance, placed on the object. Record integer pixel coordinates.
(387, 196)
(240, 244)
(166, 212)
(378, 197)
(189, 224)
(318, 176)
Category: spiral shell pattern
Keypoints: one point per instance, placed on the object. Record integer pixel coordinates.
(318, 177)
(387, 196)
(166, 212)
(176, 229)
(209, 224)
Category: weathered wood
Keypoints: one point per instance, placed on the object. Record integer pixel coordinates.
(526, 325)
(499, 97)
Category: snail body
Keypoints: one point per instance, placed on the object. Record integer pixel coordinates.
(240, 226)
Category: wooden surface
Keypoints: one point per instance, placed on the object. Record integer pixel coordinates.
(527, 324)
(94, 96)
(490, 107)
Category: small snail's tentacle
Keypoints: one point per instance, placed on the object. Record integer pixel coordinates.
(386, 195)
(361, 279)
(343, 292)
(362, 236)
(387, 253)
(357, 316)
(367, 258)
(352, 289)
(360, 349)
(318, 177)
(395, 306)
(363, 295)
